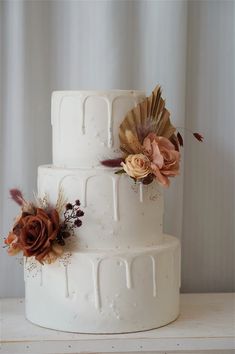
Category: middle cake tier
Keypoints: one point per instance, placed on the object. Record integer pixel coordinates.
(119, 213)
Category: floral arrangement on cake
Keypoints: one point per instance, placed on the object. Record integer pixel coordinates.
(149, 142)
(39, 231)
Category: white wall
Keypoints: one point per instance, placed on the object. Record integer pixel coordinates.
(209, 192)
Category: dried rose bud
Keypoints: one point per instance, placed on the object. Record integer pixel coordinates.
(77, 222)
(69, 206)
(80, 213)
(77, 202)
(198, 136)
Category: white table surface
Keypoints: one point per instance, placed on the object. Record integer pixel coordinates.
(206, 322)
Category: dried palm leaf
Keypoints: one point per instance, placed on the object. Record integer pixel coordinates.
(150, 115)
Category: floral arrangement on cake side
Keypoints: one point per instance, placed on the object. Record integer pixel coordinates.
(149, 142)
(39, 231)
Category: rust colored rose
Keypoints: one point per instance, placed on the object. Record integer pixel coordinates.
(137, 166)
(163, 156)
(36, 233)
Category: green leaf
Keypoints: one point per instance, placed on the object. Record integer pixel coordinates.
(119, 172)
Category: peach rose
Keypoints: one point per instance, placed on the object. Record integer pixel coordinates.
(11, 242)
(136, 166)
(36, 233)
(163, 156)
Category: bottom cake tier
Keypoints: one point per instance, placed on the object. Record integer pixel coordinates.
(106, 291)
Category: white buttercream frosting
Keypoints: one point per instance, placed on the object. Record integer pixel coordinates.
(119, 213)
(106, 292)
(85, 125)
(119, 273)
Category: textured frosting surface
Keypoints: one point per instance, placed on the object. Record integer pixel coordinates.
(106, 292)
(118, 213)
(119, 273)
(85, 125)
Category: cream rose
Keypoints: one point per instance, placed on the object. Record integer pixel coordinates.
(136, 166)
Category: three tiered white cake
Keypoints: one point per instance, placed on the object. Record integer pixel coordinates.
(123, 273)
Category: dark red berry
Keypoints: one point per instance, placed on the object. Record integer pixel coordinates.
(69, 206)
(77, 202)
(80, 213)
(77, 222)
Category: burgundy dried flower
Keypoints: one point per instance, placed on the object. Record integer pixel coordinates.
(180, 139)
(112, 162)
(17, 196)
(71, 219)
(198, 136)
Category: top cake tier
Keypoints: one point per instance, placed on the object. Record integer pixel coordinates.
(85, 125)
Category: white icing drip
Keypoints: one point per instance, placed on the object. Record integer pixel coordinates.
(128, 266)
(96, 277)
(110, 121)
(84, 192)
(61, 181)
(59, 114)
(83, 128)
(66, 280)
(84, 181)
(41, 276)
(115, 180)
(83, 197)
(25, 269)
(141, 192)
(96, 270)
(109, 102)
(154, 276)
(59, 118)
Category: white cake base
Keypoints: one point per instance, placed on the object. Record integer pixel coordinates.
(106, 291)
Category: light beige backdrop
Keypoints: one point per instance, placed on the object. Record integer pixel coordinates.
(187, 47)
